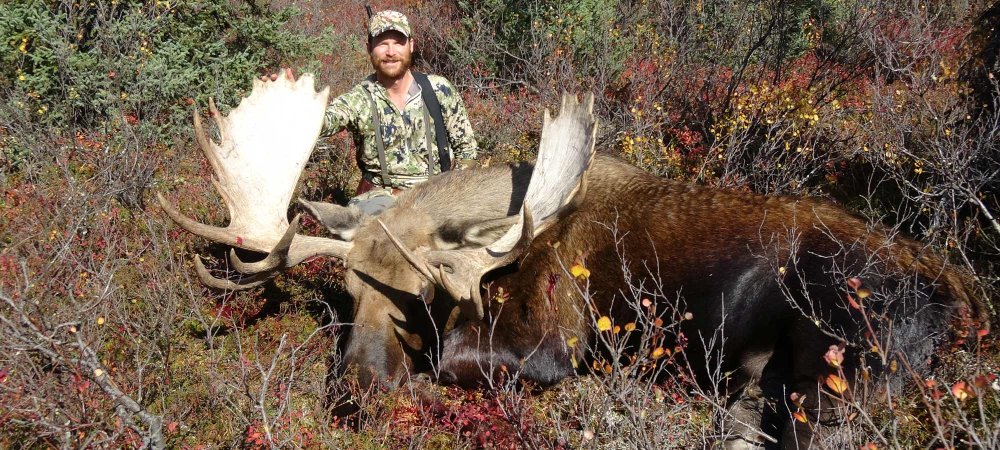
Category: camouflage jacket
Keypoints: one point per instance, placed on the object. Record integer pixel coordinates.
(404, 132)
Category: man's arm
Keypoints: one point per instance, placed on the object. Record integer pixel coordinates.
(344, 111)
(456, 122)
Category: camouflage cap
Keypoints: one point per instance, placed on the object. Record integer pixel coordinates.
(387, 20)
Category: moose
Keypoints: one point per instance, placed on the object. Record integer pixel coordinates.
(469, 276)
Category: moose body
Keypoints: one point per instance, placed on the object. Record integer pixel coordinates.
(759, 270)
(764, 278)
(469, 276)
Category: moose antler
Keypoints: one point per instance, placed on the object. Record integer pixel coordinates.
(558, 184)
(264, 145)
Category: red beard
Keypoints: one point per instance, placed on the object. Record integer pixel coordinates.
(393, 71)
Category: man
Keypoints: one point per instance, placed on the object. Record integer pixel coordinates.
(389, 106)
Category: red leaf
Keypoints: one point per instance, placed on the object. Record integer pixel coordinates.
(239, 240)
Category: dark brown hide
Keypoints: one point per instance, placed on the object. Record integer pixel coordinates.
(720, 252)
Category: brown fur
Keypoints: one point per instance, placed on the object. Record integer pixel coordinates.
(720, 251)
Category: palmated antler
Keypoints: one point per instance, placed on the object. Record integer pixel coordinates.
(264, 145)
(557, 186)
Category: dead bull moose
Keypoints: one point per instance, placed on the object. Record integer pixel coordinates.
(780, 278)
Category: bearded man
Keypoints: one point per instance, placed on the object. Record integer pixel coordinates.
(391, 116)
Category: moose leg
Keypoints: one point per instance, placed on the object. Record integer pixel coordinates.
(741, 419)
(821, 409)
(755, 412)
(755, 418)
(821, 414)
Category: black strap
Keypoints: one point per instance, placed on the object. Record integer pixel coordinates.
(434, 108)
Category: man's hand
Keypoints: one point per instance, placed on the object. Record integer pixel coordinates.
(274, 76)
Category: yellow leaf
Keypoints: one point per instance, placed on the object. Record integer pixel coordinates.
(502, 296)
(658, 352)
(579, 271)
(604, 323)
(100, 321)
(836, 384)
(571, 342)
(630, 326)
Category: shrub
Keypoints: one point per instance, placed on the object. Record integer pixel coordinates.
(81, 64)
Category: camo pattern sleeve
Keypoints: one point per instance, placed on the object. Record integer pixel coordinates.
(456, 120)
(345, 111)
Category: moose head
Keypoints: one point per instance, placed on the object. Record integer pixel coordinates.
(463, 226)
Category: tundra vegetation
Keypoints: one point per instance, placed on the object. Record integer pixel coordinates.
(889, 108)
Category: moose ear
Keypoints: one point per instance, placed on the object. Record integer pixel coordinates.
(487, 232)
(341, 221)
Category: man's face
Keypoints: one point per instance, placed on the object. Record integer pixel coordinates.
(391, 54)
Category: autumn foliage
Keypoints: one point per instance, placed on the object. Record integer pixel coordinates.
(108, 340)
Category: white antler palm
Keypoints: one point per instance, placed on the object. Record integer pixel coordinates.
(264, 145)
